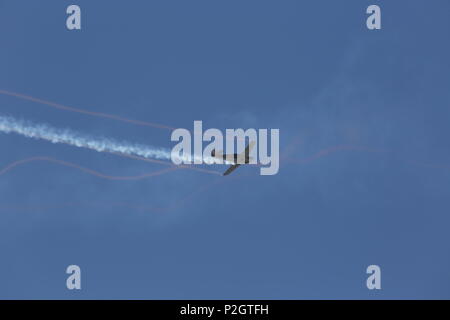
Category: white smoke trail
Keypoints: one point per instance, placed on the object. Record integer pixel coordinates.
(66, 136)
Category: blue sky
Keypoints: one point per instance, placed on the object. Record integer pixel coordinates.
(363, 118)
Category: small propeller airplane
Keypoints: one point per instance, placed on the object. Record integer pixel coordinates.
(237, 158)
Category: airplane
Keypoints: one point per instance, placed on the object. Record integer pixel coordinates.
(238, 159)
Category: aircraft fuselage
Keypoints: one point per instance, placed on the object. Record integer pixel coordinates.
(234, 158)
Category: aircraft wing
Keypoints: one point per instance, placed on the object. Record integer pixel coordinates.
(231, 169)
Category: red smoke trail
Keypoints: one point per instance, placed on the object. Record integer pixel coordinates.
(36, 207)
(86, 170)
(173, 206)
(91, 113)
(330, 150)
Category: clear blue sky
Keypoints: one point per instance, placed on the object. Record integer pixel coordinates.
(364, 125)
